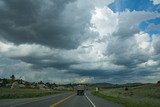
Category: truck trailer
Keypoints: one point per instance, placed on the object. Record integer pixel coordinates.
(80, 89)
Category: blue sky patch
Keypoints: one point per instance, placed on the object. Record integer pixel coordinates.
(151, 26)
(131, 5)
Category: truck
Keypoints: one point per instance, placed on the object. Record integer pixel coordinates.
(80, 89)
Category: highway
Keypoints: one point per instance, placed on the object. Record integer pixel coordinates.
(59, 100)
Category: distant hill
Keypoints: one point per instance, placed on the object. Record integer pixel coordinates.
(133, 84)
(104, 85)
(110, 85)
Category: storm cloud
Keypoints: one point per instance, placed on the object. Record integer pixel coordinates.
(54, 23)
(79, 41)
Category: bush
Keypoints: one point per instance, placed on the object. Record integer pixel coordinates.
(126, 89)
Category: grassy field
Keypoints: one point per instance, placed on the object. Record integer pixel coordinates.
(141, 96)
(24, 93)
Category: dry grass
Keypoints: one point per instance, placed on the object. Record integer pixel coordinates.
(24, 93)
(142, 96)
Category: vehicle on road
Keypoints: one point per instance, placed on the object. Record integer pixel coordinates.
(80, 89)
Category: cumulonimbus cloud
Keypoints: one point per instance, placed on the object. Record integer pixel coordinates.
(77, 39)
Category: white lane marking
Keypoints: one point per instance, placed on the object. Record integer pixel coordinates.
(33, 101)
(90, 100)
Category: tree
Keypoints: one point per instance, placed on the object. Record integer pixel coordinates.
(41, 82)
(49, 85)
(4, 82)
(126, 89)
(158, 82)
(12, 77)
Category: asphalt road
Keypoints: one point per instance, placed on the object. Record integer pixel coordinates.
(60, 100)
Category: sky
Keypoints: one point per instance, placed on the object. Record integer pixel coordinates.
(80, 41)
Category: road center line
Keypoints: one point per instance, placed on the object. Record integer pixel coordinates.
(90, 100)
(61, 101)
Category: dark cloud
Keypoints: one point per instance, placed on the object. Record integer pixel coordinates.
(54, 23)
(106, 75)
(54, 37)
(46, 62)
(156, 43)
(125, 52)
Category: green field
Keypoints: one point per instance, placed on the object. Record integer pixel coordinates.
(24, 93)
(140, 96)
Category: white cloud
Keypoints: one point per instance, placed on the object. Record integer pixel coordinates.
(116, 45)
(101, 3)
(149, 63)
(11, 50)
(144, 42)
(98, 66)
(156, 2)
(84, 80)
(1, 72)
(104, 21)
(156, 43)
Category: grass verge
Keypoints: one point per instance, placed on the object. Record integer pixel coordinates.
(7, 93)
(129, 102)
(110, 98)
